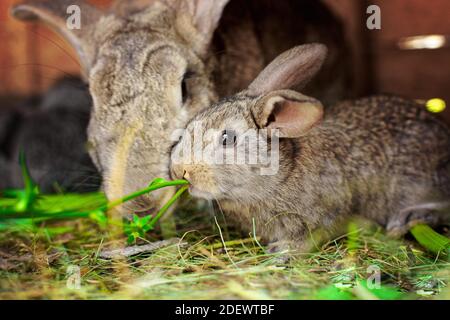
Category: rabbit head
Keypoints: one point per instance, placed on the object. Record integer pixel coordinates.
(228, 147)
(149, 73)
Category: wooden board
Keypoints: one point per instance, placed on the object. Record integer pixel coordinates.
(32, 56)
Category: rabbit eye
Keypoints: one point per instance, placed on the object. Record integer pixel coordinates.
(184, 93)
(228, 138)
(184, 86)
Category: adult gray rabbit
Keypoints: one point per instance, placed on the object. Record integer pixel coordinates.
(153, 64)
(382, 157)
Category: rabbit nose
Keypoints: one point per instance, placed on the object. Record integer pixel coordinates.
(186, 175)
(178, 172)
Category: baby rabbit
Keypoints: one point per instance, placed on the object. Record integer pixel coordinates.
(381, 157)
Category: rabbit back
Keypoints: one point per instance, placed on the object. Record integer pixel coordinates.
(395, 154)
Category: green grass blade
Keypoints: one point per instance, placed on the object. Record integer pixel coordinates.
(167, 206)
(31, 189)
(430, 239)
(158, 183)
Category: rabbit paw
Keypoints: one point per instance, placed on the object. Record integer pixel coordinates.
(401, 223)
(278, 247)
(280, 250)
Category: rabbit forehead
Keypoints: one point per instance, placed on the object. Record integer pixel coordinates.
(138, 31)
(154, 72)
(138, 44)
(139, 56)
(230, 113)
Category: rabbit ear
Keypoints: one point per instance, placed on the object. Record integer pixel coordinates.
(292, 113)
(293, 68)
(124, 8)
(56, 14)
(204, 15)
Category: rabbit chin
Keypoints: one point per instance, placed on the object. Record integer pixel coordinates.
(198, 193)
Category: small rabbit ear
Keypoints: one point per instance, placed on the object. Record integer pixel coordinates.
(205, 16)
(292, 69)
(56, 14)
(292, 113)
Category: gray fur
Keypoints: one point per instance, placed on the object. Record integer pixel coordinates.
(136, 55)
(380, 157)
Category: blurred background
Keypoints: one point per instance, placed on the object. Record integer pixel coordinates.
(381, 66)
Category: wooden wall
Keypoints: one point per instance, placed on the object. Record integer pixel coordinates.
(380, 67)
(420, 74)
(31, 55)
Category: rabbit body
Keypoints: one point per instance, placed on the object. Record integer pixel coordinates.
(373, 157)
